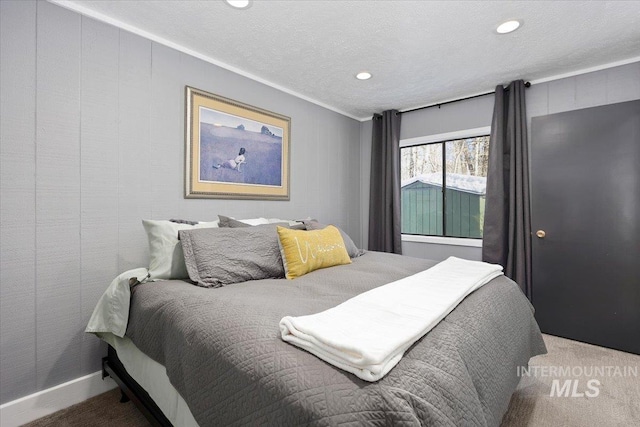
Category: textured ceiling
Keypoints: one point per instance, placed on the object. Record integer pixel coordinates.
(419, 52)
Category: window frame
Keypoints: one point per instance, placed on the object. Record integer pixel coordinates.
(442, 138)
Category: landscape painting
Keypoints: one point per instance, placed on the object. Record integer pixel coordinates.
(235, 150)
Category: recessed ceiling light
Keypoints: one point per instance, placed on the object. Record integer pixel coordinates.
(508, 27)
(239, 4)
(363, 76)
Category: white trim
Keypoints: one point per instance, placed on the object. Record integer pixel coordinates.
(45, 402)
(447, 136)
(532, 81)
(83, 10)
(586, 70)
(439, 240)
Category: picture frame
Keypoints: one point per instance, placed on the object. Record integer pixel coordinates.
(234, 150)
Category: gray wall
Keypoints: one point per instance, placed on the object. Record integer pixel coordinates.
(365, 167)
(92, 141)
(610, 86)
(603, 87)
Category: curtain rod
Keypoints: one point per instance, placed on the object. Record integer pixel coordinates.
(527, 84)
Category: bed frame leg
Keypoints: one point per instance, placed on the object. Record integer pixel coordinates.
(123, 397)
(130, 390)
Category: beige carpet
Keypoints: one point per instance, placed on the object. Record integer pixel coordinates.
(617, 402)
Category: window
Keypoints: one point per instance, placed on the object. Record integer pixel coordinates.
(444, 178)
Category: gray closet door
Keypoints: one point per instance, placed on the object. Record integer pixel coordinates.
(585, 168)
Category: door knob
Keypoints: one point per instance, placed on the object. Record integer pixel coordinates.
(541, 234)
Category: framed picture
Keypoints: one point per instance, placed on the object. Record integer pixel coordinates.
(234, 150)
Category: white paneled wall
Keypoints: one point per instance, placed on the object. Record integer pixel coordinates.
(92, 128)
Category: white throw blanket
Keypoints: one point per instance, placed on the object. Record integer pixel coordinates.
(368, 334)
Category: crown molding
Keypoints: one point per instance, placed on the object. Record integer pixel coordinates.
(83, 10)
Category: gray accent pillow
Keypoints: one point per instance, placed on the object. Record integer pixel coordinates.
(226, 222)
(352, 249)
(184, 221)
(222, 256)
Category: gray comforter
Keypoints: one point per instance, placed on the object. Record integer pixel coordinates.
(223, 351)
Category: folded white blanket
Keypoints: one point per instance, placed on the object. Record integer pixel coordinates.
(368, 334)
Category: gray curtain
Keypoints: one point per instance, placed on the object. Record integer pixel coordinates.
(507, 221)
(384, 196)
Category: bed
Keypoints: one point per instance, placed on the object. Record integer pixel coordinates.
(198, 356)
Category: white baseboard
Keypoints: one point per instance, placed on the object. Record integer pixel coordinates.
(45, 402)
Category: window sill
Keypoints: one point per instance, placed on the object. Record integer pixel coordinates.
(454, 241)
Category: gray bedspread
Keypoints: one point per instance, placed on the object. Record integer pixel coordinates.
(223, 352)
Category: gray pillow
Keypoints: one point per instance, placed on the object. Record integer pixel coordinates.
(226, 222)
(184, 221)
(352, 249)
(222, 256)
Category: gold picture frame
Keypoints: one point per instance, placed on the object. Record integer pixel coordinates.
(234, 150)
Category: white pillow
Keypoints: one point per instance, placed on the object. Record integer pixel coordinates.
(112, 311)
(253, 221)
(166, 259)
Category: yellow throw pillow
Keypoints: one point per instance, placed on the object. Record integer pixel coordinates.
(306, 251)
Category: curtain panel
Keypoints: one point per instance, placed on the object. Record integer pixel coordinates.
(384, 197)
(507, 221)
